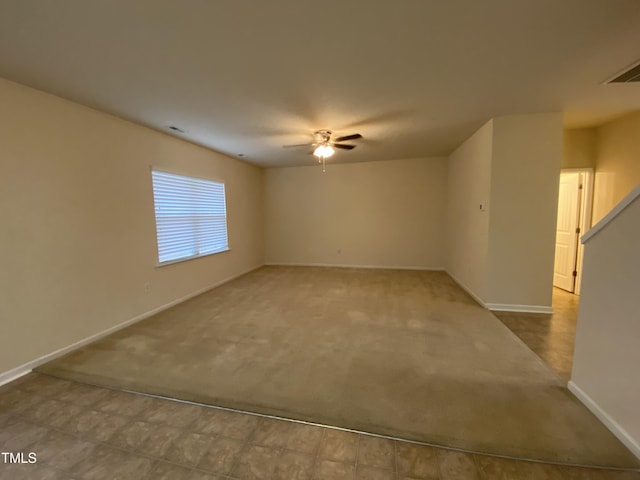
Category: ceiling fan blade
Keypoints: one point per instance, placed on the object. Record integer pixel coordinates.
(298, 145)
(344, 146)
(354, 136)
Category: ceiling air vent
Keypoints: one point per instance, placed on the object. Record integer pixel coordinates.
(631, 75)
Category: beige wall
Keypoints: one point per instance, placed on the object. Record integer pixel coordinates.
(387, 214)
(579, 148)
(469, 186)
(78, 236)
(504, 255)
(606, 358)
(525, 173)
(617, 162)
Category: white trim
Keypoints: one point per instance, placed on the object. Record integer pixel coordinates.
(335, 265)
(586, 214)
(15, 373)
(615, 428)
(186, 259)
(466, 289)
(615, 211)
(508, 307)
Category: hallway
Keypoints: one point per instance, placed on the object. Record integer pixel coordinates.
(551, 337)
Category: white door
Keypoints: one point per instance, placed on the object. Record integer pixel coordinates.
(567, 231)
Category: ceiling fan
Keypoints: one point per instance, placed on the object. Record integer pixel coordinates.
(324, 146)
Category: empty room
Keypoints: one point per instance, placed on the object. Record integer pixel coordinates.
(319, 241)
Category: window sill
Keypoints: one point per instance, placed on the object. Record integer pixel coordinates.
(186, 259)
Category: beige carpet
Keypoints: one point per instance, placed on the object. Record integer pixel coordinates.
(401, 353)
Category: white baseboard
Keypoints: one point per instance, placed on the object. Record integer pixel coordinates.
(466, 289)
(332, 265)
(15, 373)
(502, 307)
(506, 307)
(615, 428)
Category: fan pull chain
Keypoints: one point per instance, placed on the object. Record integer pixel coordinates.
(323, 169)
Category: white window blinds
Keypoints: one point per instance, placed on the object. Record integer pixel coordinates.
(191, 216)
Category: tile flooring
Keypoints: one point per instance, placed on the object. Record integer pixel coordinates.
(83, 432)
(551, 336)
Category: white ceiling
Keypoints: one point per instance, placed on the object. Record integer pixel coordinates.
(414, 77)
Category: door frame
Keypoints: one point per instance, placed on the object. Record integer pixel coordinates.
(584, 220)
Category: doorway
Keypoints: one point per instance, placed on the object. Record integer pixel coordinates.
(574, 219)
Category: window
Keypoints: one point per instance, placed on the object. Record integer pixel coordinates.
(191, 217)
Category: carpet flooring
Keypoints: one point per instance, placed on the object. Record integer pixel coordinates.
(406, 354)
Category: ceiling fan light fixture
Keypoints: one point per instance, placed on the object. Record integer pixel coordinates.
(324, 151)
(324, 147)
